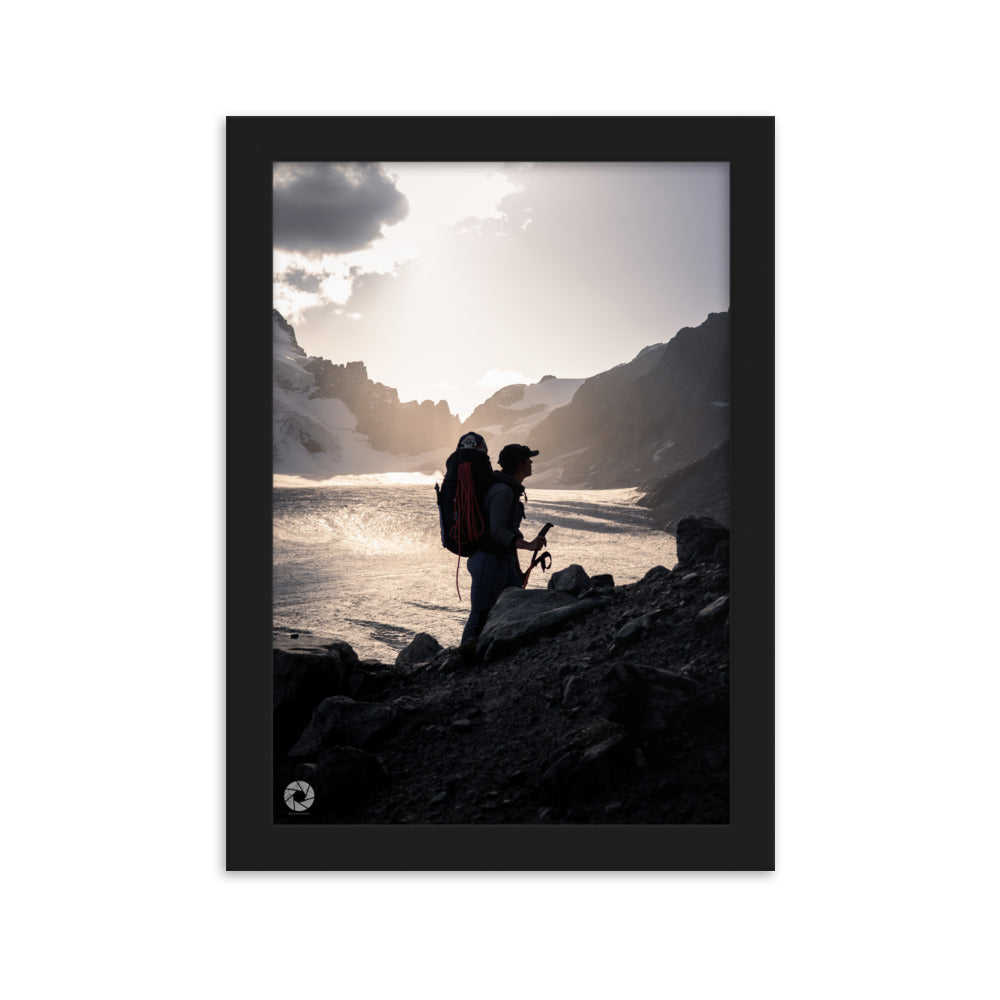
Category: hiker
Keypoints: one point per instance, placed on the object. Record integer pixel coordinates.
(495, 566)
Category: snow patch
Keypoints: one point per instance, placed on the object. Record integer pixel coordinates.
(552, 393)
(659, 451)
(317, 437)
(537, 402)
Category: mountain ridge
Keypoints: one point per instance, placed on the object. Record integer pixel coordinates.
(641, 420)
(647, 423)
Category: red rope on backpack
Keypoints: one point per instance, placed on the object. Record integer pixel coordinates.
(468, 519)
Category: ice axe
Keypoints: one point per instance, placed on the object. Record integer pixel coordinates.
(542, 558)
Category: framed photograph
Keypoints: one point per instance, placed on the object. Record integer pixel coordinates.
(500, 493)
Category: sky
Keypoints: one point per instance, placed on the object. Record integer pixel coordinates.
(451, 280)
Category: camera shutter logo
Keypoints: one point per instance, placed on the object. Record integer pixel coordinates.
(299, 796)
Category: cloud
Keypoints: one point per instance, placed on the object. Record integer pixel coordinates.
(359, 201)
(497, 378)
(333, 207)
(303, 280)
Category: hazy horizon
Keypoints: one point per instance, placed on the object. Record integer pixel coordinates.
(451, 280)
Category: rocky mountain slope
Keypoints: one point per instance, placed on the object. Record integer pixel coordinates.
(583, 703)
(512, 413)
(700, 487)
(644, 419)
(333, 418)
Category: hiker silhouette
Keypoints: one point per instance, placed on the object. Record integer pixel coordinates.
(494, 565)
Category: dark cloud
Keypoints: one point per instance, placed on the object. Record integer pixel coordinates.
(333, 207)
(304, 281)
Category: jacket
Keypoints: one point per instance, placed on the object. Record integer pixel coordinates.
(504, 512)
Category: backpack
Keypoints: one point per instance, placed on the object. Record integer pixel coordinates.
(468, 475)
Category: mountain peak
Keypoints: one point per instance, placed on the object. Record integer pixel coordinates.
(282, 323)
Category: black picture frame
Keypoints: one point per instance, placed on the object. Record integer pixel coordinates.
(253, 841)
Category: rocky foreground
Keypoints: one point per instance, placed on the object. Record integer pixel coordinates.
(582, 703)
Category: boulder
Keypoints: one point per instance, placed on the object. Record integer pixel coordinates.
(714, 613)
(571, 580)
(422, 648)
(297, 674)
(655, 623)
(698, 536)
(340, 721)
(629, 633)
(450, 663)
(302, 679)
(655, 574)
(521, 616)
(349, 675)
(602, 581)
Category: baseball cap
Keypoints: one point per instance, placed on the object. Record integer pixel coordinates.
(514, 454)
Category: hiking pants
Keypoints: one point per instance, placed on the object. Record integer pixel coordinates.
(490, 575)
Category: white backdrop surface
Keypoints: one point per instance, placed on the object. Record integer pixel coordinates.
(886, 360)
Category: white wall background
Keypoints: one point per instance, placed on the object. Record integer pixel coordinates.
(887, 330)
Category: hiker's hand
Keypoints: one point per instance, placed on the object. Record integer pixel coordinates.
(538, 542)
